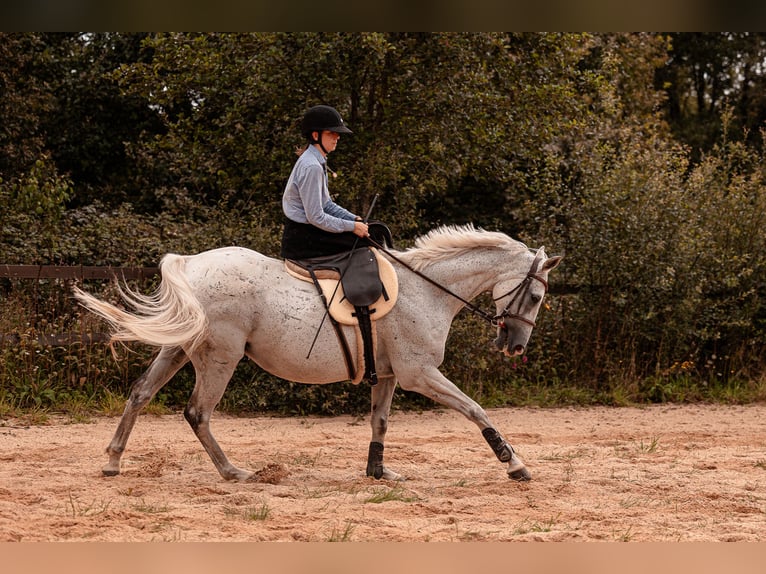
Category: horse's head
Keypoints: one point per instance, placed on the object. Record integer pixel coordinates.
(518, 302)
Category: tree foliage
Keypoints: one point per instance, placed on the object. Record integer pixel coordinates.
(637, 156)
(708, 72)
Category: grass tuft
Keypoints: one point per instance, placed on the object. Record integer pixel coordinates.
(396, 493)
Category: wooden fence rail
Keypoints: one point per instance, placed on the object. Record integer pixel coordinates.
(37, 272)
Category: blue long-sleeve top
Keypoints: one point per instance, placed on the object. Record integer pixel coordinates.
(307, 198)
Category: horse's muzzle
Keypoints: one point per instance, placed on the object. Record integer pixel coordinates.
(517, 351)
(502, 343)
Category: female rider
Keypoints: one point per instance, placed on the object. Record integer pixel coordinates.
(315, 225)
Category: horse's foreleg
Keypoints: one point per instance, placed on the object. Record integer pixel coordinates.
(213, 369)
(382, 395)
(436, 386)
(505, 453)
(165, 365)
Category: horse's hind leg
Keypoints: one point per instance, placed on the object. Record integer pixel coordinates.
(382, 394)
(165, 365)
(214, 369)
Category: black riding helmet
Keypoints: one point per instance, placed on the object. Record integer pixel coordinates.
(322, 118)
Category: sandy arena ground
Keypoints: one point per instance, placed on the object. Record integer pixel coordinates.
(664, 473)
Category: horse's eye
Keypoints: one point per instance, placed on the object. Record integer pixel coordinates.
(536, 298)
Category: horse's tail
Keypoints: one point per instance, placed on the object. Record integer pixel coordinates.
(172, 316)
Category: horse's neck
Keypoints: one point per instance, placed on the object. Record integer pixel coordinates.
(469, 274)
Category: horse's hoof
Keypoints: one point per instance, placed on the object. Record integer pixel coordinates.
(520, 475)
(241, 476)
(110, 472)
(391, 475)
(386, 474)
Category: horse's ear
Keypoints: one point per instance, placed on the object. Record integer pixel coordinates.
(552, 262)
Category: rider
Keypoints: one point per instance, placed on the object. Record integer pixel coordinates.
(315, 225)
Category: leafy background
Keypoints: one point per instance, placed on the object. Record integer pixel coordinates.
(637, 156)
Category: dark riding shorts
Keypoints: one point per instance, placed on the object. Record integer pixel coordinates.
(305, 241)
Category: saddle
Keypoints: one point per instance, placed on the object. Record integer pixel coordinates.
(357, 289)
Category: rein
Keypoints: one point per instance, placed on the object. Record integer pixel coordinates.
(494, 320)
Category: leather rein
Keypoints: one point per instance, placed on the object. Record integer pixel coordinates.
(517, 292)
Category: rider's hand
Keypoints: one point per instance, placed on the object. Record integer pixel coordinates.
(360, 229)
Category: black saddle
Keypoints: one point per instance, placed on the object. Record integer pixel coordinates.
(358, 272)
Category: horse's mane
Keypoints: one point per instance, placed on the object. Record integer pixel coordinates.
(450, 240)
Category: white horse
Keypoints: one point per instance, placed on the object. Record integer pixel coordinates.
(217, 306)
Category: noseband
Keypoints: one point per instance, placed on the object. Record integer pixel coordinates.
(517, 297)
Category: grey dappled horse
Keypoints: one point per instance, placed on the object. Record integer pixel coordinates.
(215, 307)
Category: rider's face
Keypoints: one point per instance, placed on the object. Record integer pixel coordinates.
(330, 140)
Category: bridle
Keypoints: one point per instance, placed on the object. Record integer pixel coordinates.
(517, 292)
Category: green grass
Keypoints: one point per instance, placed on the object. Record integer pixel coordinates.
(76, 507)
(526, 526)
(396, 493)
(149, 508)
(650, 446)
(342, 535)
(623, 535)
(253, 513)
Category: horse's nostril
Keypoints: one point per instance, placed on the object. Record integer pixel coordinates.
(518, 350)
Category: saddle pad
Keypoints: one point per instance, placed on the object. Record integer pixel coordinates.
(340, 309)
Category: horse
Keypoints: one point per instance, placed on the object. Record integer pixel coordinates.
(215, 307)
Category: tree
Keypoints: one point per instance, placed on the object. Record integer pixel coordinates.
(91, 120)
(60, 104)
(431, 113)
(708, 72)
(24, 99)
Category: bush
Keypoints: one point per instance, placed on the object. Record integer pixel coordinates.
(670, 261)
